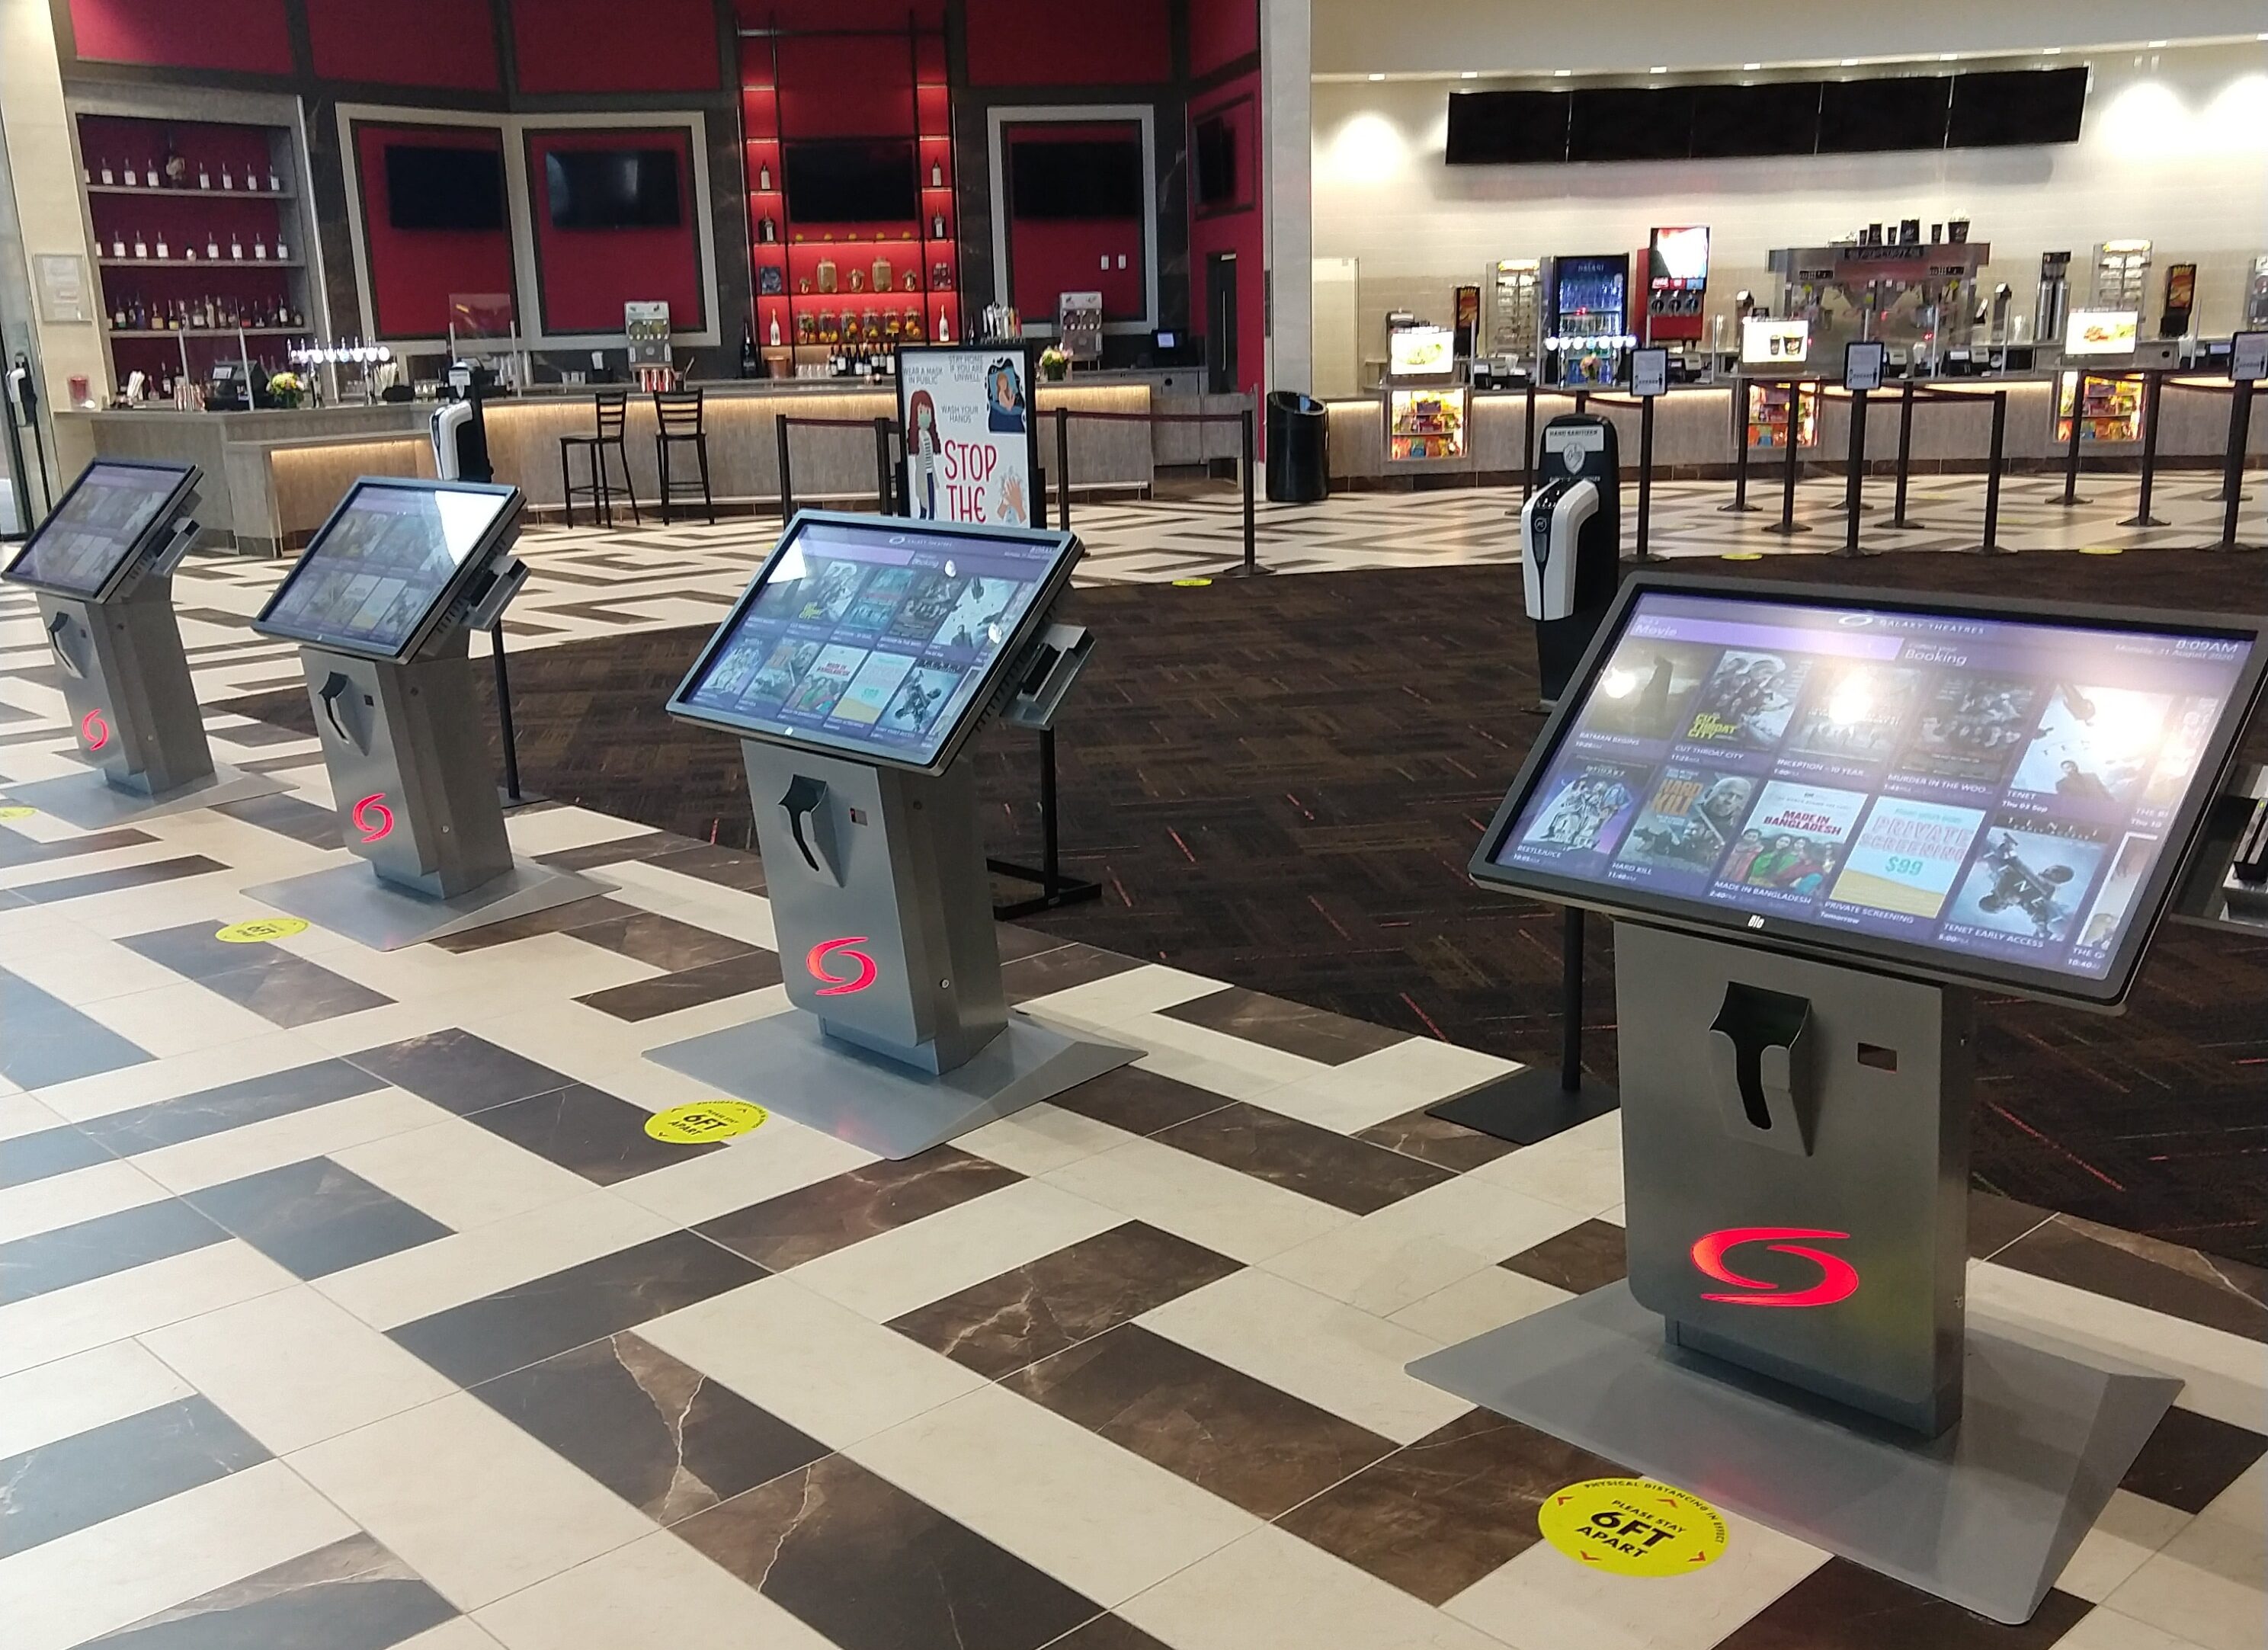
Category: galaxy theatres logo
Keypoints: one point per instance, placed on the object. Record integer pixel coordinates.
(95, 728)
(372, 818)
(828, 952)
(1838, 1280)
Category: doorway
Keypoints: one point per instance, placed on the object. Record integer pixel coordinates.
(1221, 377)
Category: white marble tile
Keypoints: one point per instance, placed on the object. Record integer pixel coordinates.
(656, 1592)
(817, 1365)
(2103, 1628)
(83, 1194)
(97, 1580)
(1131, 995)
(123, 1090)
(780, 1156)
(552, 831)
(1161, 1034)
(83, 969)
(294, 1367)
(1419, 1246)
(1580, 1169)
(2245, 1502)
(89, 1390)
(176, 1018)
(1175, 1191)
(1040, 1138)
(1372, 1087)
(20, 1113)
(1486, 1300)
(1333, 1355)
(459, 1632)
(744, 917)
(40, 871)
(485, 1511)
(292, 1138)
(2208, 1583)
(130, 1302)
(461, 1174)
(2132, 1527)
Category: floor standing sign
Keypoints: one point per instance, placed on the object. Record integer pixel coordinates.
(972, 438)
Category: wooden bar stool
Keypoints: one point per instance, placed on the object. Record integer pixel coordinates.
(613, 410)
(677, 420)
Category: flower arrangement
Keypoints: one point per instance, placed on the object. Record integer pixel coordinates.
(1054, 364)
(285, 388)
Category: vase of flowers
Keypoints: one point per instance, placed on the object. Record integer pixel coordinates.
(1055, 366)
(285, 389)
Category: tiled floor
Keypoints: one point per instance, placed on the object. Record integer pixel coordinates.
(345, 1302)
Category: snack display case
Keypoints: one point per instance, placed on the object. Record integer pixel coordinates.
(2122, 274)
(1769, 415)
(2111, 410)
(1515, 308)
(1426, 423)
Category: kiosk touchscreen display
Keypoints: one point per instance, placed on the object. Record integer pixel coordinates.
(100, 522)
(2000, 794)
(390, 554)
(878, 638)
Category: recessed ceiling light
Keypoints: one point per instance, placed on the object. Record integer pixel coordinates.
(1378, 77)
(1948, 57)
(2157, 45)
(1561, 74)
(1752, 65)
(2052, 51)
(1663, 68)
(1470, 74)
(1850, 63)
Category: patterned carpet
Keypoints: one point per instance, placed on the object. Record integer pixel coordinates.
(1279, 782)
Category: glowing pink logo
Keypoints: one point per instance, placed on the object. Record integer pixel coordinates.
(840, 984)
(1838, 1280)
(95, 728)
(372, 818)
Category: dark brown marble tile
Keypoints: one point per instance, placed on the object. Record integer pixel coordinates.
(1060, 1300)
(48, 1152)
(229, 1106)
(314, 1218)
(1436, 1140)
(1437, 1516)
(279, 986)
(834, 1213)
(94, 1248)
(1313, 1034)
(1843, 1606)
(16, 848)
(459, 1071)
(688, 988)
(866, 1566)
(1578, 1260)
(352, 1595)
(2222, 1294)
(726, 867)
(1139, 1102)
(557, 919)
(1058, 969)
(47, 1041)
(1247, 1441)
(656, 1431)
(589, 856)
(139, 876)
(660, 942)
(1108, 1633)
(290, 816)
(1016, 941)
(1995, 1222)
(530, 1321)
(2192, 1458)
(253, 735)
(89, 1477)
(600, 1136)
(1334, 1169)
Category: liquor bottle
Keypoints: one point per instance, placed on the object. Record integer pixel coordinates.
(259, 248)
(936, 175)
(204, 175)
(945, 326)
(118, 314)
(764, 176)
(281, 255)
(162, 252)
(212, 241)
(235, 247)
(141, 245)
(108, 177)
(775, 334)
(149, 173)
(177, 169)
(118, 243)
(937, 225)
(297, 319)
(228, 178)
(747, 352)
(275, 183)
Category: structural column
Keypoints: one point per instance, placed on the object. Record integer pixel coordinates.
(1287, 193)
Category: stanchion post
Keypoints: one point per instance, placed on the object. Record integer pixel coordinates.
(1645, 474)
(1787, 525)
(1856, 464)
(1528, 448)
(1905, 456)
(2071, 448)
(883, 486)
(507, 735)
(1993, 466)
(1582, 400)
(1743, 390)
(1062, 478)
(2232, 475)
(1536, 1103)
(1245, 433)
(786, 475)
(2153, 388)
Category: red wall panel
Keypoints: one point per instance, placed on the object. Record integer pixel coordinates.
(1050, 256)
(837, 14)
(1043, 42)
(608, 45)
(249, 35)
(405, 42)
(586, 275)
(412, 272)
(846, 87)
(1237, 231)
(1221, 32)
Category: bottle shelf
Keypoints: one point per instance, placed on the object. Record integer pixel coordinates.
(202, 263)
(205, 331)
(169, 192)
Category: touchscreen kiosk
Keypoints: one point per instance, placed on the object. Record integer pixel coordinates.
(381, 604)
(854, 670)
(1825, 819)
(102, 568)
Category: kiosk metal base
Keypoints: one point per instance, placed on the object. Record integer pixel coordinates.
(91, 802)
(1986, 1516)
(786, 1063)
(1528, 1106)
(350, 900)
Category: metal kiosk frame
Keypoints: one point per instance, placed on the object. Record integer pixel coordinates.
(125, 679)
(901, 1037)
(403, 745)
(1795, 1125)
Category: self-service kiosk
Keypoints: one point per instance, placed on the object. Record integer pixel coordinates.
(381, 605)
(459, 427)
(1824, 820)
(854, 670)
(102, 567)
(1571, 542)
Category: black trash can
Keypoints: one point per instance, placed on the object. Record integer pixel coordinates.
(1299, 448)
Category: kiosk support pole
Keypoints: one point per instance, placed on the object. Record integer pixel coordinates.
(1056, 889)
(2153, 388)
(1644, 475)
(2071, 497)
(1905, 458)
(1787, 525)
(513, 797)
(1528, 448)
(1855, 479)
(1739, 507)
(2232, 479)
(1244, 435)
(1063, 469)
(786, 470)
(883, 486)
(1536, 1103)
(1993, 466)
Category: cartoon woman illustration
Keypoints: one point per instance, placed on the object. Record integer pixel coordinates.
(920, 447)
(1002, 391)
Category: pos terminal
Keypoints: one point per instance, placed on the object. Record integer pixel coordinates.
(381, 604)
(102, 567)
(1824, 820)
(855, 669)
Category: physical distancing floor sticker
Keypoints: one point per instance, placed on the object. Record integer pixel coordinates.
(260, 928)
(705, 1120)
(1632, 1527)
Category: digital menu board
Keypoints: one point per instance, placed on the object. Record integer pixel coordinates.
(1999, 794)
(387, 562)
(109, 514)
(875, 636)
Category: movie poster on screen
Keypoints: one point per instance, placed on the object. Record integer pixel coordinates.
(1793, 844)
(971, 433)
(1971, 726)
(1647, 689)
(2094, 744)
(1688, 822)
(1583, 819)
(1748, 699)
(1855, 711)
(2028, 880)
(1907, 856)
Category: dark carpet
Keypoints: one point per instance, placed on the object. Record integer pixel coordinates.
(1279, 782)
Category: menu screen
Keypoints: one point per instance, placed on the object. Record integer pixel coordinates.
(381, 564)
(79, 547)
(873, 637)
(2001, 789)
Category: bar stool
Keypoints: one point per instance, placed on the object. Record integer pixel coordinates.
(677, 418)
(613, 410)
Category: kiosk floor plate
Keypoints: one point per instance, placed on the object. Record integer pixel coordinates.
(1987, 1516)
(784, 1063)
(92, 803)
(350, 900)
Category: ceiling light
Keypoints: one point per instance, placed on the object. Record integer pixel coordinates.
(2052, 51)
(1663, 68)
(1850, 63)
(1470, 74)
(1752, 65)
(1948, 57)
(2157, 45)
(1561, 74)
(1378, 77)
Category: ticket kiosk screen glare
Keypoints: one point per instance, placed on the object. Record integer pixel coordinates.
(872, 640)
(384, 559)
(78, 549)
(1996, 790)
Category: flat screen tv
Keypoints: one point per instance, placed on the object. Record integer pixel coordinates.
(1215, 143)
(1896, 112)
(1776, 117)
(857, 181)
(613, 188)
(1075, 178)
(1501, 127)
(434, 188)
(2019, 106)
(1632, 124)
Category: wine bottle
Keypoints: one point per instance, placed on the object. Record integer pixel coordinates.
(204, 175)
(228, 178)
(281, 255)
(764, 176)
(117, 243)
(163, 253)
(775, 332)
(747, 352)
(235, 247)
(275, 183)
(212, 246)
(936, 175)
(141, 245)
(149, 173)
(259, 248)
(107, 176)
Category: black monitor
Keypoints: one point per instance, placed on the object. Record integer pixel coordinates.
(430, 186)
(379, 578)
(1989, 793)
(612, 188)
(116, 509)
(877, 637)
